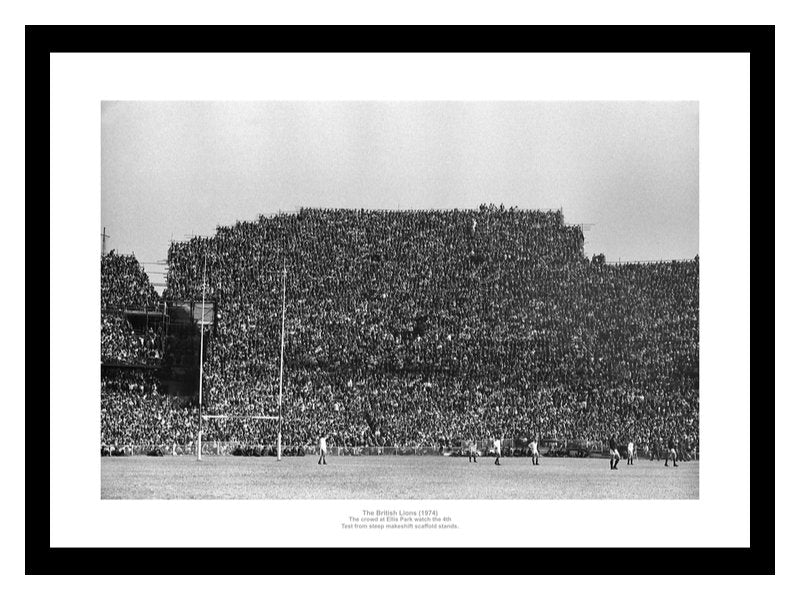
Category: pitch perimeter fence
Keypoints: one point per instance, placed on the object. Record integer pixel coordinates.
(214, 448)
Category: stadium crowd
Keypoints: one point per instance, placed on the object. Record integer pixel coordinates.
(134, 412)
(120, 343)
(426, 328)
(125, 285)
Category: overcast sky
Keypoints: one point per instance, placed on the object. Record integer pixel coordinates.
(172, 169)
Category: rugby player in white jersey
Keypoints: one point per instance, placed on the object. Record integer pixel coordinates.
(323, 450)
(472, 450)
(534, 446)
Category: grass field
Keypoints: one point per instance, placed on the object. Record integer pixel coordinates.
(392, 477)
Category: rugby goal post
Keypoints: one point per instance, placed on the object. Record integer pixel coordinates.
(255, 417)
(203, 323)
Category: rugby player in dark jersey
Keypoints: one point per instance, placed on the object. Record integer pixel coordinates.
(672, 453)
(614, 452)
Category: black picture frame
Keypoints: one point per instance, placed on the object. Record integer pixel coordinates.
(757, 41)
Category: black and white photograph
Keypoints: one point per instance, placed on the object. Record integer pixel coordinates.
(399, 300)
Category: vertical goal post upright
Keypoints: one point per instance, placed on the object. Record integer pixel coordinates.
(202, 330)
(280, 384)
(203, 417)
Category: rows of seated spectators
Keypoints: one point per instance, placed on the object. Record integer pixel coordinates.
(429, 327)
(120, 343)
(415, 412)
(133, 411)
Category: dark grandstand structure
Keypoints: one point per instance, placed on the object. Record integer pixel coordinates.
(403, 329)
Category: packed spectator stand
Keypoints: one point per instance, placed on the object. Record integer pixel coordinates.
(123, 282)
(422, 328)
(124, 286)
